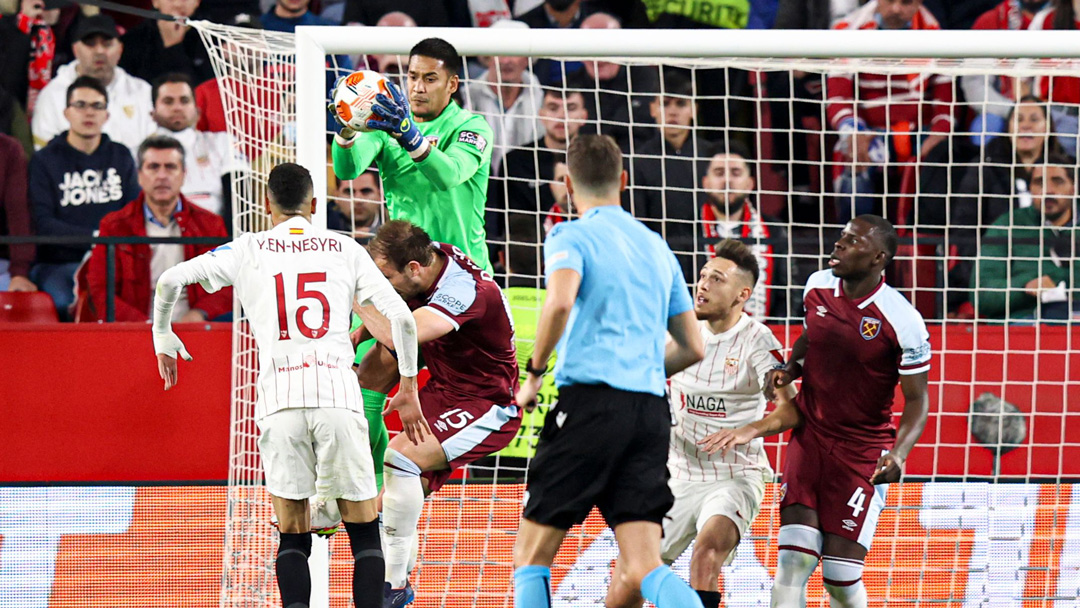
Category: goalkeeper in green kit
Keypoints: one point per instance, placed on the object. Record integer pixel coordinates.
(434, 158)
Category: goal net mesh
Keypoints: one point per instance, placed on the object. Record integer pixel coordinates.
(945, 154)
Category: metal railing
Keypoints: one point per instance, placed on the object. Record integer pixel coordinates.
(110, 243)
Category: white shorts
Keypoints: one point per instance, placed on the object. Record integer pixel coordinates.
(317, 451)
(738, 499)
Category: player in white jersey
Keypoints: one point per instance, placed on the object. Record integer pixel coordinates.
(718, 477)
(297, 284)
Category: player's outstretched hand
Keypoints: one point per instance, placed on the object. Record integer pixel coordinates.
(526, 395)
(346, 132)
(888, 469)
(407, 405)
(393, 115)
(774, 379)
(725, 439)
(168, 346)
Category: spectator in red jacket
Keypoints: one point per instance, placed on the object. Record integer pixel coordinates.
(873, 133)
(159, 211)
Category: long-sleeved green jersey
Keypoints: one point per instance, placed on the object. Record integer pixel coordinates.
(446, 192)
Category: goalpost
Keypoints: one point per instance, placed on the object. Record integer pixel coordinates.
(1005, 399)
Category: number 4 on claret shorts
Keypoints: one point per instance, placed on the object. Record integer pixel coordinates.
(856, 502)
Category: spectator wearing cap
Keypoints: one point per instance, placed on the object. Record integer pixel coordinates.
(97, 49)
(157, 46)
(508, 96)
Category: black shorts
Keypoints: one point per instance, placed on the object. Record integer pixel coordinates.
(605, 447)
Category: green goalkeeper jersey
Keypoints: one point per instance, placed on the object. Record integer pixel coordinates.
(445, 194)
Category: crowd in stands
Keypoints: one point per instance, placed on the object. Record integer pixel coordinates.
(112, 125)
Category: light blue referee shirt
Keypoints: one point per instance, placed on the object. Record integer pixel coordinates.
(631, 284)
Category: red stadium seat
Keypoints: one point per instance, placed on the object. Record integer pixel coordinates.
(27, 307)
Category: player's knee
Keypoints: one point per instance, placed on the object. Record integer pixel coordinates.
(843, 580)
(799, 551)
(399, 465)
(633, 572)
(291, 544)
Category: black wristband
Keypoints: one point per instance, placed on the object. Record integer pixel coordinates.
(536, 371)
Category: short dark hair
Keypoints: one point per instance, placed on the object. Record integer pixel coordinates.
(885, 231)
(290, 186)
(523, 245)
(595, 163)
(439, 49)
(742, 256)
(401, 242)
(87, 82)
(676, 81)
(734, 147)
(159, 142)
(170, 77)
(1059, 159)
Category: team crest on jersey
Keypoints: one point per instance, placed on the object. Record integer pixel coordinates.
(731, 366)
(870, 328)
(433, 140)
(783, 491)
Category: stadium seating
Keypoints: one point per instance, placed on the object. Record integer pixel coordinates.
(26, 307)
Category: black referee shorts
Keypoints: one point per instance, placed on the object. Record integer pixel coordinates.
(605, 447)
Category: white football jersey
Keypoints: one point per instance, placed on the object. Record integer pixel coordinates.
(721, 391)
(296, 284)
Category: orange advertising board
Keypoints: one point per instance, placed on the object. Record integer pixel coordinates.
(952, 544)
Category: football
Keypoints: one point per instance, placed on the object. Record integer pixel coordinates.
(354, 96)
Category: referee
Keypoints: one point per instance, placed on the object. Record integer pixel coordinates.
(615, 287)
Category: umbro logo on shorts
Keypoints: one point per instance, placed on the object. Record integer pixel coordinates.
(560, 418)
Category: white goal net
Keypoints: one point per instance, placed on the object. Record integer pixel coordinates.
(966, 145)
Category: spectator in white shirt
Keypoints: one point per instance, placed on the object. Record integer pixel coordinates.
(508, 96)
(210, 159)
(97, 50)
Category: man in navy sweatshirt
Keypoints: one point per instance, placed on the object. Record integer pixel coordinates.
(75, 180)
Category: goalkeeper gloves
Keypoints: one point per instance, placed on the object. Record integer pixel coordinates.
(393, 115)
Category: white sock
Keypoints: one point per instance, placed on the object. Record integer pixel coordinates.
(799, 550)
(843, 581)
(403, 501)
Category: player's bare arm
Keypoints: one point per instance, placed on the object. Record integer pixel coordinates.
(784, 418)
(791, 371)
(562, 290)
(686, 346)
(912, 422)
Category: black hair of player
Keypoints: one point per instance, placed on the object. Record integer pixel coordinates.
(159, 142)
(735, 147)
(440, 50)
(171, 77)
(676, 81)
(401, 242)
(884, 232)
(290, 186)
(87, 82)
(742, 256)
(523, 248)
